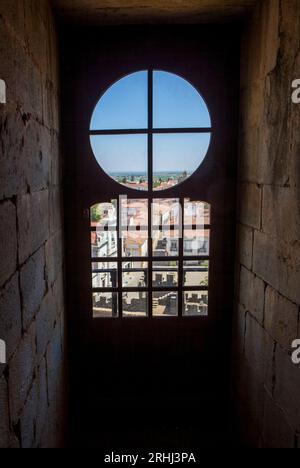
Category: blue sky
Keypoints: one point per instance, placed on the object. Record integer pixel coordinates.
(176, 104)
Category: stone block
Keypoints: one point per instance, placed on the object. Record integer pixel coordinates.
(34, 414)
(56, 208)
(21, 373)
(54, 257)
(37, 156)
(250, 205)
(42, 401)
(281, 213)
(287, 385)
(278, 264)
(33, 216)
(45, 321)
(28, 419)
(33, 286)
(8, 241)
(252, 294)
(12, 179)
(11, 316)
(58, 292)
(259, 351)
(277, 433)
(281, 318)
(4, 419)
(54, 359)
(245, 244)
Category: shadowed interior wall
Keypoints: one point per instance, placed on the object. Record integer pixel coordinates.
(268, 290)
(31, 265)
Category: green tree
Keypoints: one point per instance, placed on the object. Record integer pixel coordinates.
(95, 214)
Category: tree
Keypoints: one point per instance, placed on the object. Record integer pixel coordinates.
(95, 214)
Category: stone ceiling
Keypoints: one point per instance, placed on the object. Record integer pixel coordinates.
(151, 11)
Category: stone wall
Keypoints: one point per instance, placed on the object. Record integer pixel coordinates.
(268, 257)
(31, 257)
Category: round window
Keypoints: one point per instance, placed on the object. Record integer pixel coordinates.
(150, 130)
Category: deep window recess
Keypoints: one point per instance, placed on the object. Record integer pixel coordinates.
(150, 256)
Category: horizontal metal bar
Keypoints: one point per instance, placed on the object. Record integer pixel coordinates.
(146, 131)
(154, 288)
(188, 258)
(162, 228)
(155, 269)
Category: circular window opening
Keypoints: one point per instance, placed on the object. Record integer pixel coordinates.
(150, 130)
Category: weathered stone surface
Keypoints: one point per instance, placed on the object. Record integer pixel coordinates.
(259, 349)
(277, 433)
(21, 373)
(33, 215)
(278, 264)
(281, 318)
(4, 419)
(281, 213)
(54, 366)
(30, 167)
(250, 404)
(54, 257)
(34, 415)
(10, 316)
(133, 11)
(55, 200)
(287, 386)
(42, 400)
(33, 286)
(269, 160)
(260, 42)
(8, 241)
(27, 419)
(45, 321)
(252, 294)
(250, 205)
(58, 293)
(245, 243)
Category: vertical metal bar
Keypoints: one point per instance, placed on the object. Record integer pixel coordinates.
(119, 257)
(150, 188)
(181, 259)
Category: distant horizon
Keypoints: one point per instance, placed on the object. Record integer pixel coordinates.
(145, 174)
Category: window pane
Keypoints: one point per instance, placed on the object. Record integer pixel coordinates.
(135, 304)
(196, 214)
(195, 273)
(124, 105)
(176, 157)
(196, 242)
(176, 103)
(105, 305)
(134, 214)
(135, 274)
(195, 303)
(135, 244)
(165, 303)
(104, 215)
(104, 275)
(104, 244)
(166, 213)
(165, 274)
(124, 158)
(165, 243)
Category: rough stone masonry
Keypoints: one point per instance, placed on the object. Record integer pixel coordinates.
(31, 266)
(266, 380)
